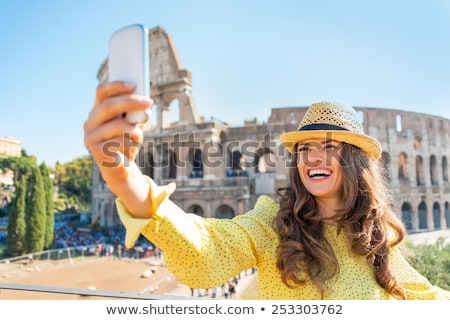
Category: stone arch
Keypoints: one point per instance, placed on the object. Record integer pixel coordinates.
(386, 164)
(222, 149)
(236, 157)
(434, 170)
(423, 221)
(444, 169)
(145, 162)
(153, 123)
(407, 215)
(174, 109)
(99, 207)
(196, 209)
(169, 164)
(398, 123)
(224, 211)
(108, 217)
(403, 172)
(236, 166)
(196, 161)
(173, 160)
(436, 215)
(265, 161)
(417, 144)
(420, 173)
(447, 215)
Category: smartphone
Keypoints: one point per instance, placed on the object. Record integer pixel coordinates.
(128, 60)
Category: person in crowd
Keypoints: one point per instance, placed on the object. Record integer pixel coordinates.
(330, 233)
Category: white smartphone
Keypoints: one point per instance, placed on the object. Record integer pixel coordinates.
(128, 60)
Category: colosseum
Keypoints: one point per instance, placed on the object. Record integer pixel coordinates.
(220, 170)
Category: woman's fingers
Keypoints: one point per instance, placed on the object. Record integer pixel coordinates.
(111, 89)
(115, 107)
(113, 99)
(116, 134)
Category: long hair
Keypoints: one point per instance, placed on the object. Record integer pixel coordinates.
(367, 217)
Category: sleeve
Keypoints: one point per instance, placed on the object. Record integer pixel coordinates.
(133, 226)
(201, 252)
(416, 285)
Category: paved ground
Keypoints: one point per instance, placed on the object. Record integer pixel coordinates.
(105, 274)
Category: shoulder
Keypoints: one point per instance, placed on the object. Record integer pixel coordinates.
(258, 222)
(266, 208)
(268, 203)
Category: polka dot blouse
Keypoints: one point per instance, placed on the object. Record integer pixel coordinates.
(206, 252)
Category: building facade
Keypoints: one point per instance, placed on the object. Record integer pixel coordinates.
(221, 170)
(9, 147)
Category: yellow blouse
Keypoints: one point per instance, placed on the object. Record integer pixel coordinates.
(206, 252)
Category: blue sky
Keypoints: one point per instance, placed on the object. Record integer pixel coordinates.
(246, 57)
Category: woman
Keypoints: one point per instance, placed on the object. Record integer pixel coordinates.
(331, 232)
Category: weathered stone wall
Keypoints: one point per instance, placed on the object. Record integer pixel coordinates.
(416, 148)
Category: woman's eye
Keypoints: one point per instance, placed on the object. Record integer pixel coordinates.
(319, 147)
(303, 149)
(331, 147)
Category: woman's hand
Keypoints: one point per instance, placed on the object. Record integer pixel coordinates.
(114, 143)
(107, 134)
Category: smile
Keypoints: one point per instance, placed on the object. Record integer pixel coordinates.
(319, 173)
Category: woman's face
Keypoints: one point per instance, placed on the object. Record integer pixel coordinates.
(319, 167)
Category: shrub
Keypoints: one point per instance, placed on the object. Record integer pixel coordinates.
(432, 261)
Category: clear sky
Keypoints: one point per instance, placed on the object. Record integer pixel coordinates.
(246, 57)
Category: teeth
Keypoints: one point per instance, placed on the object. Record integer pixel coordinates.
(319, 172)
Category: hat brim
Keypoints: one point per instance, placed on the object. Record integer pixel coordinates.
(364, 142)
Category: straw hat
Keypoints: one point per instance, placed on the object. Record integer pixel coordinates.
(332, 121)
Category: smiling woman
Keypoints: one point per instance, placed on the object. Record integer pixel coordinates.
(330, 233)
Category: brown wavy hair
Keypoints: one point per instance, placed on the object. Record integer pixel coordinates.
(367, 216)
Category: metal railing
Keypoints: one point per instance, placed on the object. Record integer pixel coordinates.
(91, 293)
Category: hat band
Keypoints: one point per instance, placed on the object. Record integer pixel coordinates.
(321, 126)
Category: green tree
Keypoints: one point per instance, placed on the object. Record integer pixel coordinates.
(49, 206)
(35, 212)
(16, 219)
(74, 179)
(20, 165)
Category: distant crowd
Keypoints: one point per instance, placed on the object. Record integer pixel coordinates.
(107, 243)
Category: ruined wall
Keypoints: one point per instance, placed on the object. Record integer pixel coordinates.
(415, 152)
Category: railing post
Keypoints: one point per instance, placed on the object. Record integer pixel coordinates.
(70, 256)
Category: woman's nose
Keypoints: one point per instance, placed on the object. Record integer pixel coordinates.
(315, 158)
(317, 153)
